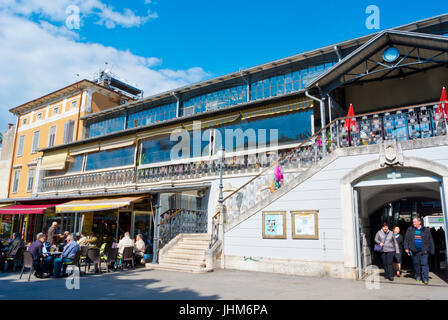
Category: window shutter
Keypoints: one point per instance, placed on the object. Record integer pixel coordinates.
(66, 132)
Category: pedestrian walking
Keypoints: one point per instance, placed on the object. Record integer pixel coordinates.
(387, 246)
(418, 243)
(398, 256)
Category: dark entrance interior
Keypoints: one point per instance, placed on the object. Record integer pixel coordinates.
(400, 213)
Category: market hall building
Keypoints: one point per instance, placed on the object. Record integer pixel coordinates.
(343, 176)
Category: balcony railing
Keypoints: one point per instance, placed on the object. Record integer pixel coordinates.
(407, 123)
(106, 179)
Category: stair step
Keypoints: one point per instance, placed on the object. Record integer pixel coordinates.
(195, 242)
(190, 246)
(168, 267)
(186, 252)
(183, 262)
(184, 256)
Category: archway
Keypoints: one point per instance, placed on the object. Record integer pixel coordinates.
(394, 195)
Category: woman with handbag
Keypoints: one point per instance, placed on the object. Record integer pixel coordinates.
(386, 244)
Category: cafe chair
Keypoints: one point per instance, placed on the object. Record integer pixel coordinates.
(93, 257)
(76, 262)
(27, 263)
(128, 256)
(111, 257)
(84, 254)
(17, 259)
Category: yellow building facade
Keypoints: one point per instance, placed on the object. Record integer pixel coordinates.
(52, 120)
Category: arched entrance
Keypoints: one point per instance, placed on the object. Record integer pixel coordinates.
(395, 195)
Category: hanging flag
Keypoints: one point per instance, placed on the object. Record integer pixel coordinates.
(350, 123)
(442, 110)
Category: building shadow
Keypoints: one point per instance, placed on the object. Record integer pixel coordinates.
(120, 285)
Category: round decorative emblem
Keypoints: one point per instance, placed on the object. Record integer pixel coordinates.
(391, 54)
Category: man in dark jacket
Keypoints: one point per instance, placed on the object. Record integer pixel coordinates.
(36, 252)
(15, 245)
(418, 243)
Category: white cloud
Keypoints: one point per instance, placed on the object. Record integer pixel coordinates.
(55, 10)
(38, 58)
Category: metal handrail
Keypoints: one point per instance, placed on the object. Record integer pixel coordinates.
(172, 215)
(318, 133)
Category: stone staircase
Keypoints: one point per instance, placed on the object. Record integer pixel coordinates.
(185, 254)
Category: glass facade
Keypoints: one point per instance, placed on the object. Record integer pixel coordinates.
(110, 158)
(292, 128)
(261, 89)
(214, 101)
(153, 115)
(106, 126)
(286, 83)
(159, 150)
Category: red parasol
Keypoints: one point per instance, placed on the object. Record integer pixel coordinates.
(443, 107)
(350, 122)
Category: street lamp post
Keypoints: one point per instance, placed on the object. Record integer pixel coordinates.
(221, 155)
(155, 242)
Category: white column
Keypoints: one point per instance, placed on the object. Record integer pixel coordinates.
(37, 178)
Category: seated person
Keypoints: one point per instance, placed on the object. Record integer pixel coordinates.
(93, 240)
(14, 246)
(139, 247)
(83, 241)
(68, 255)
(36, 250)
(125, 242)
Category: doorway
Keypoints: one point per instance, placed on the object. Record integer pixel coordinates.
(394, 195)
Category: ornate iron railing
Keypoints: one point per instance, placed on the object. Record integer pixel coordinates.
(104, 179)
(215, 230)
(406, 123)
(182, 221)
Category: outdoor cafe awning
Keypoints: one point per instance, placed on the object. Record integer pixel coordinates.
(27, 208)
(95, 204)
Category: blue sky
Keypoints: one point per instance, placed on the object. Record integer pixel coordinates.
(163, 44)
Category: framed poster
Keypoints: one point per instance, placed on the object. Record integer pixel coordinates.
(305, 224)
(274, 225)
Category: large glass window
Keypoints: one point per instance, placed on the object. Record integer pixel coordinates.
(152, 115)
(215, 100)
(286, 83)
(159, 150)
(76, 164)
(291, 128)
(110, 158)
(106, 126)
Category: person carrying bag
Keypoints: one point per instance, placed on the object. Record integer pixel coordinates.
(387, 246)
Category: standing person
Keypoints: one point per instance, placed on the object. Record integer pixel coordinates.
(386, 240)
(68, 255)
(53, 234)
(418, 244)
(398, 256)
